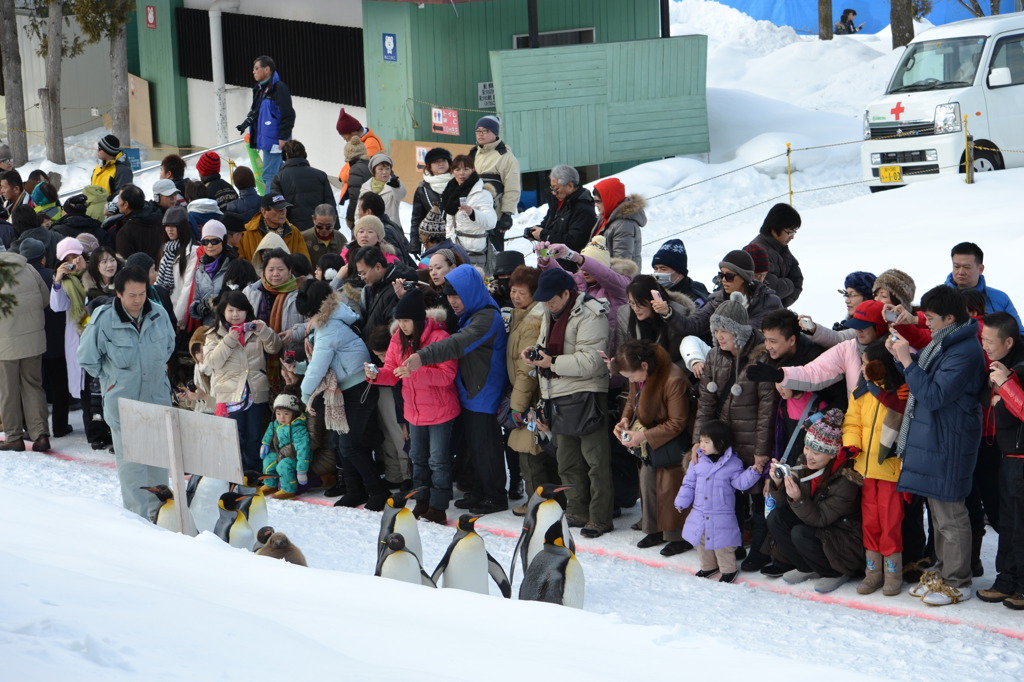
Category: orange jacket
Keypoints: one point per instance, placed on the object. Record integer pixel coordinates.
(373, 146)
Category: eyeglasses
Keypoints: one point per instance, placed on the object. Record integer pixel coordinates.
(481, 131)
(791, 232)
(210, 242)
(847, 294)
(727, 276)
(6, 160)
(324, 227)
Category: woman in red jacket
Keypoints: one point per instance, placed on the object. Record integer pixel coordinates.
(431, 403)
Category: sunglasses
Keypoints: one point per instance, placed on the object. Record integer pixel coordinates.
(727, 276)
(210, 242)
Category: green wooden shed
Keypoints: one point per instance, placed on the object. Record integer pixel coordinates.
(603, 87)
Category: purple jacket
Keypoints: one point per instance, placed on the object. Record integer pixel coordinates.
(711, 488)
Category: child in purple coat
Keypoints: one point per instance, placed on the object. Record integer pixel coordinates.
(710, 486)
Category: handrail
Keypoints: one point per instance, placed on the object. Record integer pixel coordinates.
(136, 174)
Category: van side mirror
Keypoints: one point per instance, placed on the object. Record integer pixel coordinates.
(999, 77)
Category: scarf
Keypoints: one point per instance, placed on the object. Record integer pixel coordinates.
(556, 338)
(165, 275)
(211, 264)
(837, 462)
(438, 183)
(75, 290)
(454, 191)
(334, 403)
(930, 352)
(376, 186)
(280, 294)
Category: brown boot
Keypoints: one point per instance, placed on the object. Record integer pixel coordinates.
(420, 509)
(328, 480)
(16, 445)
(436, 515)
(893, 574)
(872, 573)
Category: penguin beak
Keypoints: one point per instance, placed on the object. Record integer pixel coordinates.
(474, 519)
(152, 490)
(563, 487)
(415, 491)
(265, 476)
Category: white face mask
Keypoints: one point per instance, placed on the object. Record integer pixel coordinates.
(663, 278)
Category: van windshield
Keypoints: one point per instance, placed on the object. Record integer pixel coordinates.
(938, 64)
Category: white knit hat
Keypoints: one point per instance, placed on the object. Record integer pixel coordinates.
(288, 402)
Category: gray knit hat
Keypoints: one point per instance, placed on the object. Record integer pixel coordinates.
(731, 316)
(826, 434)
(740, 262)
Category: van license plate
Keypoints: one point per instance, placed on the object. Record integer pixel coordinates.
(890, 174)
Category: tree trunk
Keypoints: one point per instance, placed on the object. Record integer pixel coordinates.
(14, 96)
(901, 18)
(825, 19)
(119, 64)
(49, 97)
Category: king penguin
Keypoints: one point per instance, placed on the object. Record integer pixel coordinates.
(167, 514)
(541, 511)
(554, 575)
(398, 563)
(278, 546)
(233, 526)
(202, 494)
(466, 564)
(398, 518)
(262, 535)
(258, 516)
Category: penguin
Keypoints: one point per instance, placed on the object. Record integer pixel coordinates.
(397, 563)
(258, 517)
(202, 494)
(541, 511)
(398, 518)
(554, 575)
(278, 546)
(167, 514)
(262, 535)
(233, 525)
(466, 564)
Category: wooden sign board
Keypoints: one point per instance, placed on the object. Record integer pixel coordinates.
(408, 158)
(140, 113)
(180, 440)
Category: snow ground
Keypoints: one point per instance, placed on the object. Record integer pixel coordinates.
(89, 590)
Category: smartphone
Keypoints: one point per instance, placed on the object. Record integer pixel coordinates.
(806, 324)
(604, 356)
(890, 315)
(656, 295)
(463, 201)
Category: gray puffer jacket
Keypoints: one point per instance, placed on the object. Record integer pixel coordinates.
(623, 235)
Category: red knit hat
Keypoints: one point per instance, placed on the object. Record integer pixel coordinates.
(208, 164)
(348, 124)
(759, 256)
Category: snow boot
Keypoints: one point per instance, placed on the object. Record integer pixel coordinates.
(977, 569)
(893, 574)
(436, 516)
(872, 573)
(284, 495)
(355, 492)
(338, 488)
(377, 501)
(421, 508)
(268, 489)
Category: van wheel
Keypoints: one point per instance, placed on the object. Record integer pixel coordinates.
(984, 161)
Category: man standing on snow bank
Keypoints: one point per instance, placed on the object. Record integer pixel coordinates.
(497, 166)
(126, 345)
(967, 274)
(271, 116)
(777, 231)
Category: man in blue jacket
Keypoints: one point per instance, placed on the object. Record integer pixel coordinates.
(479, 346)
(939, 437)
(967, 274)
(126, 345)
(271, 116)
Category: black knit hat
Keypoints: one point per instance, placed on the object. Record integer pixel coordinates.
(437, 154)
(411, 307)
(506, 262)
(672, 254)
(233, 222)
(110, 145)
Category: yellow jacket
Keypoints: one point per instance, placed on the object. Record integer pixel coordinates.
(863, 429)
(113, 175)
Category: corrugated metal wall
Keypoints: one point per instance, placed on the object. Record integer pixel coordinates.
(443, 53)
(604, 103)
(158, 64)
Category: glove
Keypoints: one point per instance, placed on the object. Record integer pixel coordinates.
(518, 419)
(762, 371)
(850, 450)
(264, 450)
(539, 246)
(301, 477)
(504, 223)
(393, 182)
(242, 127)
(561, 252)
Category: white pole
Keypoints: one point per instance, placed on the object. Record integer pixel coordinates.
(217, 65)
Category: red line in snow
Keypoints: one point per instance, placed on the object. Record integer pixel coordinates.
(599, 551)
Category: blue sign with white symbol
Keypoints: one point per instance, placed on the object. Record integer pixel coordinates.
(390, 45)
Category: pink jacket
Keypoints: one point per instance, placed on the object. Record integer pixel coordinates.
(429, 392)
(827, 369)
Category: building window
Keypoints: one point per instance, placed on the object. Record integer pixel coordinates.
(580, 36)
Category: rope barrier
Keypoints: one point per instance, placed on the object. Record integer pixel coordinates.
(442, 106)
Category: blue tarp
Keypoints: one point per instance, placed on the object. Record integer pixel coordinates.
(803, 16)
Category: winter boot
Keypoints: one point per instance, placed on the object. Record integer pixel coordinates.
(872, 573)
(355, 492)
(268, 489)
(283, 495)
(977, 569)
(377, 501)
(893, 574)
(338, 488)
(328, 481)
(436, 516)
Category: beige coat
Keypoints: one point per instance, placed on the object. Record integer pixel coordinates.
(232, 365)
(523, 331)
(579, 367)
(21, 332)
(392, 197)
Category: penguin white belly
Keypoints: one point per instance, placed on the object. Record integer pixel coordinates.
(167, 517)
(467, 566)
(402, 566)
(258, 517)
(204, 503)
(241, 534)
(405, 524)
(548, 512)
(572, 590)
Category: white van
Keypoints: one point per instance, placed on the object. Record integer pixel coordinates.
(973, 68)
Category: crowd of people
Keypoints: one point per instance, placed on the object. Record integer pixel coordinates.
(435, 362)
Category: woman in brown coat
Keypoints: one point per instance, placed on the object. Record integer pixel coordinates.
(654, 423)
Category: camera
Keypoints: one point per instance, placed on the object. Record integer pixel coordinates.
(806, 324)
(244, 125)
(528, 234)
(533, 353)
(370, 367)
(408, 286)
(289, 356)
(890, 315)
(191, 385)
(782, 471)
(626, 438)
(894, 338)
(249, 327)
(71, 267)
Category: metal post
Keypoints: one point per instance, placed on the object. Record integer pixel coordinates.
(789, 170)
(968, 155)
(217, 65)
(666, 20)
(531, 18)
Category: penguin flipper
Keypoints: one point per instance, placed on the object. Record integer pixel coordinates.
(570, 543)
(191, 488)
(426, 579)
(381, 556)
(497, 574)
(443, 564)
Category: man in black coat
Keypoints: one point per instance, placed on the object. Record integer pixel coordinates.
(302, 185)
(571, 215)
(140, 228)
(378, 300)
(76, 222)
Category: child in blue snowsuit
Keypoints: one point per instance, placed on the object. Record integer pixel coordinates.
(285, 450)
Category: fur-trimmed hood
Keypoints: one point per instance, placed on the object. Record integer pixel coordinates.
(624, 267)
(332, 308)
(438, 315)
(632, 207)
(682, 299)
